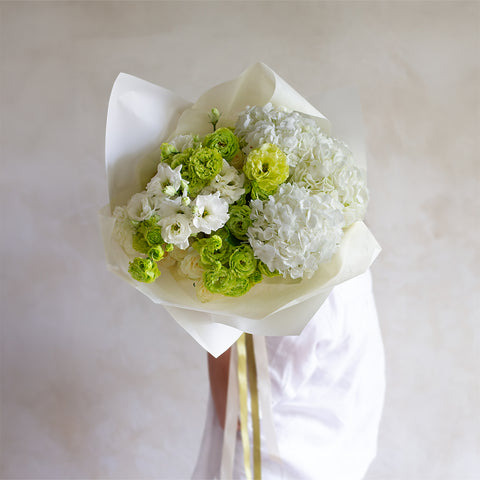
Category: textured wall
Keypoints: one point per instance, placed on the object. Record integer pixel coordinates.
(96, 381)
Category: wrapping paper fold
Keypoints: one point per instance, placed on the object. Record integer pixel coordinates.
(140, 117)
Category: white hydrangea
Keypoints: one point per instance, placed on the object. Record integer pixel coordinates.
(229, 183)
(295, 231)
(333, 171)
(296, 134)
(210, 212)
(351, 191)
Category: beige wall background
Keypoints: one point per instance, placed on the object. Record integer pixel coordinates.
(96, 381)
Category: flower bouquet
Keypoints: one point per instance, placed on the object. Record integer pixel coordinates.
(238, 213)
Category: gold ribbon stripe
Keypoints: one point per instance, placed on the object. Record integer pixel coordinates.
(243, 394)
(253, 382)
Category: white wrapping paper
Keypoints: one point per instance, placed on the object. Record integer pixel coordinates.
(140, 117)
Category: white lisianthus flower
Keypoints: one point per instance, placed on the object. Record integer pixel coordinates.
(190, 265)
(295, 231)
(176, 229)
(229, 183)
(123, 231)
(210, 212)
(166, 181)
(140, 207)
(166, 207)
(182, 142)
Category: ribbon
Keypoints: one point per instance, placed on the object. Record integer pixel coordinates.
(243, 394)
(248, 379)
(253, 384)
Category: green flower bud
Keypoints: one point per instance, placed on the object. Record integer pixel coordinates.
(223, 141)
(241, 287)
(242, 261)
(205, 163)
(139, 243)
(167, 151)
(267, 166)
(218, 279)
(169, 190)
(143, 270)
(153, 235)
(239, 221)
(168, 247)
(214, 116)
(144, 225)
(156, 253)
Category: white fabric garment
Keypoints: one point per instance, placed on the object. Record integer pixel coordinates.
(327, 394)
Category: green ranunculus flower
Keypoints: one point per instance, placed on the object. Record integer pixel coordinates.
(195, 184)
(228, 244)
(239, 221)
(156, 253)
(218, 279)
(139, 243)
(264, 270)
(205, 163)
(143, 270)
(208, 249)
(255, 277)
(153, 235)
(182, 158)
(242, 261)
(258, 193)
(267, 166)
(241, 287)
(224, 141)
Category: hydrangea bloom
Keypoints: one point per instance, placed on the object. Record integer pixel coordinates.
(332, 170)
(294, 231)
(294, 133)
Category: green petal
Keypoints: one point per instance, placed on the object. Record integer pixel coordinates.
(224, 141)
(242, 261)
(143, 270)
